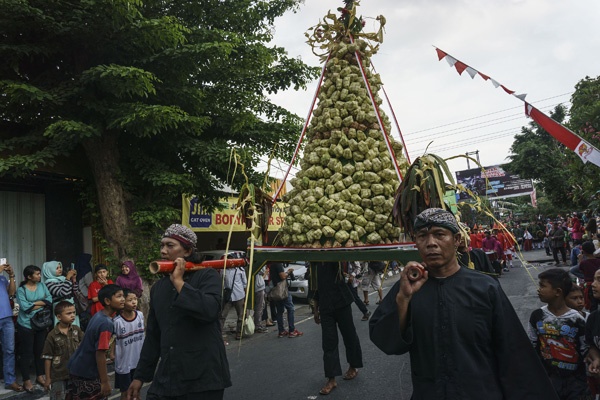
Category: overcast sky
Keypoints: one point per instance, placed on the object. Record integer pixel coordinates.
(539, 47)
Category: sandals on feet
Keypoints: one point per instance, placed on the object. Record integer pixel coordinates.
(14, 386)
(366, 302)
(327, 388)
(350, 374)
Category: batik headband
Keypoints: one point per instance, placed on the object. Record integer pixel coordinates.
(182, 234)
(436, 217)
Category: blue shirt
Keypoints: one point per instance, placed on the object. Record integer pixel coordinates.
(574, 254)
(5, 309)
(97, 338)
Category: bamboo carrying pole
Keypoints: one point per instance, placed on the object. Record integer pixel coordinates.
(414, 273)
(165, 267)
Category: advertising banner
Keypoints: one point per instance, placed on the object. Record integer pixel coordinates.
(196, 218)
(501, 184)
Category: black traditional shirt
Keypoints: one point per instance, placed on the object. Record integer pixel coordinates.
(480, 261)
(332, 291)
(185, 333)
(465, 341)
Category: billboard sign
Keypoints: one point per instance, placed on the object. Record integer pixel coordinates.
(501, 184)
(194, 216)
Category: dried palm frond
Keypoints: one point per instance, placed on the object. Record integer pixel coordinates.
(256, 208)
(423, 187)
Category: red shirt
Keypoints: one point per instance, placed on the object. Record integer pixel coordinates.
(589, 267)
(475, 240)
(503, 240)
(93, 290)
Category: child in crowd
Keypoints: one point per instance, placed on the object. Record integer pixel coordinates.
(60, 345)
(558, 335)
(100, 280)
(87, 367)
(129, 333)
(575, 301)
(592, 337)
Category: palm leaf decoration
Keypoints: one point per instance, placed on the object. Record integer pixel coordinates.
(423, 187)
(256, 207)
(254, 204)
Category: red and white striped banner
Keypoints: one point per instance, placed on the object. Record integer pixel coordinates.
(570, 139)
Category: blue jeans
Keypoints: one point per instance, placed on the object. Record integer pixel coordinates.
(575, 271)
(289, 306)
(7, 330)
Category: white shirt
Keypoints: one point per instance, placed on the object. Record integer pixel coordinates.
(128, 342)
(238, 292)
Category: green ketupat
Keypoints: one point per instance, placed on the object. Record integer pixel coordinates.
(345, 157)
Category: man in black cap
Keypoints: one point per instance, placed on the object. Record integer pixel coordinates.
(464, 338)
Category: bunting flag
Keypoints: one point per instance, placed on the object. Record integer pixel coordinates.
(462, 67)
(574, 142)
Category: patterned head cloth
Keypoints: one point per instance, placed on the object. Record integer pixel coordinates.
(436, 217)
(182, 234)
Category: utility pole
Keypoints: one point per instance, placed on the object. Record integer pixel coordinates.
(470, 153)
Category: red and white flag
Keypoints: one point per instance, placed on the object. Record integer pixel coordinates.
(533, 196)
(583, 149)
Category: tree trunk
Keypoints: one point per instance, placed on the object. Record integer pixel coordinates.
(103, 155)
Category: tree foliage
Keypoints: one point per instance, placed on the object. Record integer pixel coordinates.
(537, 155)
(151, 95)
(585, 121)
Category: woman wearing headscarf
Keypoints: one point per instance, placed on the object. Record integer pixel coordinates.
(85, 276)
(183, 334)
(129, 278)
(60, 287)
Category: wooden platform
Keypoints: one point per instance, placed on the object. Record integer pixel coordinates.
(400, 252)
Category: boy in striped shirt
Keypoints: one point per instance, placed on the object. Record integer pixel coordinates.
(129, 335)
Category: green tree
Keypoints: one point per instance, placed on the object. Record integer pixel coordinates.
(585, 121)
(147, 96)
(537, 155)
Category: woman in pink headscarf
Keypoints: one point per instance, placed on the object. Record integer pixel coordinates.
(129, 278)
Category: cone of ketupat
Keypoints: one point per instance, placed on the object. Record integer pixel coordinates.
(343, 194)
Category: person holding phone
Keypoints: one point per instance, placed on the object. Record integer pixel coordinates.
(59, 286)
(7, 327)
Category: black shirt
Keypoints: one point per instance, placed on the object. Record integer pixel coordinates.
(332, 292)
(274, 270)
(480, 261)
(184, 332)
